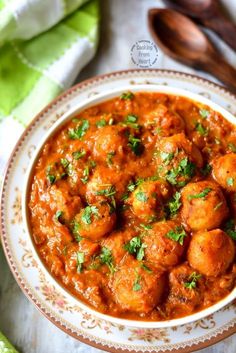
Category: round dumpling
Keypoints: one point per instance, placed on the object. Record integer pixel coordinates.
(147, 200)
(164, 244)
(204, 205)
(186, 290)
(211, 253)
(224, 171)
(135, 289)
(95, 221)
(177, 159)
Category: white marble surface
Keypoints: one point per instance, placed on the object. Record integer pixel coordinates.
(124, 22)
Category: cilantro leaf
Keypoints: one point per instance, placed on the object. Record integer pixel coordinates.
(201, 129)
(107, 258)
(78, 154)
(127, 96)
(101, 123)
(79, 131)
(80, 261)
(135, 145)
(136, 247)
(202, 194)
(87, 214)
(192, 280)
(178, 234)
(141, 196)
(204, 113)
(175, 204)
(230, 229)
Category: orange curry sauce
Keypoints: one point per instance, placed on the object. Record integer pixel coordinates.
(132, 206)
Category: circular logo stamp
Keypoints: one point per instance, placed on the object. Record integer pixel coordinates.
(144, 53)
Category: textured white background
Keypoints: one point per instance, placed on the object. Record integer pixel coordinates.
(123, 23)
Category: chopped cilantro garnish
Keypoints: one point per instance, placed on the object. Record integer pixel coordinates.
(204, 113)
(85, 175)
(131, 120)
(135, 145)
(232, 147)
(178, 234)
(110, 155)
(109, 192)
(166, 157)
(185, 168)
(146, 226)
(75, 230)
(101, 123)
(202, 194)
(136, 247)
(106, 258)
(146, 268)
(192, 280)
(137, 285)
(131, 186)
(51, 178)
(141, 196)
(78, 154)
(201, 129)
(80, 261)
(230, 181)
(87, 214)
(206, 169)
(127, 96)
(175, 204)
(230, 229)
(79, 131)
(58, 215)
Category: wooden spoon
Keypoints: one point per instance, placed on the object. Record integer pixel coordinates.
(210, 14)
(180, 38)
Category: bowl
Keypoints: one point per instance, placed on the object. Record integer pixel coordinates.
(94, 100)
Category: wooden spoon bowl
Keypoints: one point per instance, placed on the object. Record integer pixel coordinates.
(182, 39)
(208, 13)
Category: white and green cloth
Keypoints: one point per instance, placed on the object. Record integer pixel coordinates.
(43, 46)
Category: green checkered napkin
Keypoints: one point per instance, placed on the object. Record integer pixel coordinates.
(43, 46)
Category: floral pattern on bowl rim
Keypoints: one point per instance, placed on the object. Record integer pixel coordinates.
(35, 282)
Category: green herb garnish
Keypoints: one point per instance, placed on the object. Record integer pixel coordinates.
(192, 280)
(175, 204)
(87, 214)
(78, 154)
(146, 268)
(86, 172)
(201, 129)
(110, 155)
(137, 285)
(204, 113)
(131, 120)
(127, 96)
(80, 261)
(101, 123)
(166, 157)
(106, 258)
(141, 196)
(136, 247)
(202, 194)
(79, 131)
(206, 169)
(185, 168)
(58, 215)
(230, 181)
(230, 229)
(178, 234)
(135, 145)
(232, 147)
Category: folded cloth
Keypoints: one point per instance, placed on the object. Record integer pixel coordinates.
(39, 58)
(36, 70)
(5, 345)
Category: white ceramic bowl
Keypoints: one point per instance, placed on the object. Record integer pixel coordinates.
(94, 100)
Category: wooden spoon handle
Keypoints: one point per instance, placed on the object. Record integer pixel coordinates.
(219, 68)
(224, 28)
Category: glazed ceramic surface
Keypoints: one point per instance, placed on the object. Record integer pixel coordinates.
(36, 282)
